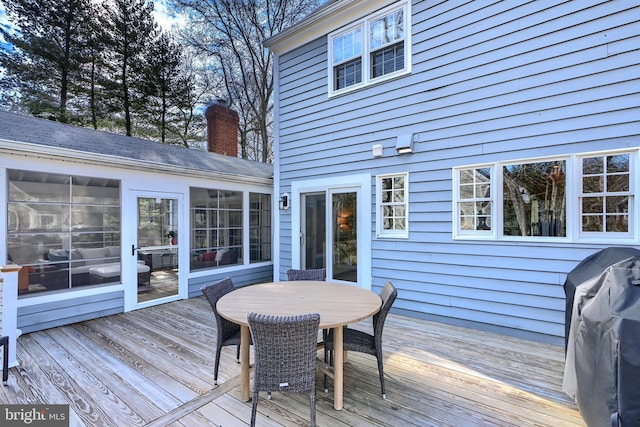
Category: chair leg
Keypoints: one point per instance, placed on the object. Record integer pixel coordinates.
(381, 372)
(238, 354)
(312, 404)
(215, 370)
(4, 341)
(254, 408)
(328, 357)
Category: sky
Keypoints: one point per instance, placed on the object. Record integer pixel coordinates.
(164, 17)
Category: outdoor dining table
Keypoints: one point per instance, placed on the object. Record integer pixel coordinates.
(338, 304)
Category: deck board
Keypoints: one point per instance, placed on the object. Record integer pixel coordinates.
(154, 367)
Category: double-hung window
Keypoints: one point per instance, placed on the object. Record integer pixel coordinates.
(370, 50)
(582, 197)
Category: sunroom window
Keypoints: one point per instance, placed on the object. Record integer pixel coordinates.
(372, 49)
(62, 229)
(216, 228)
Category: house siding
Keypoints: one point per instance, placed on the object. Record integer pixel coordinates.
(490, 82)
(38, 317)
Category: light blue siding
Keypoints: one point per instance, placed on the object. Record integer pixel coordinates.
(490, 82)
(48, 315)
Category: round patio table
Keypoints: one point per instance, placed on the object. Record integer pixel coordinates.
(338, 304)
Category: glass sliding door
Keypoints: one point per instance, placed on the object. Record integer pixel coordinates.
(313, 239)
(344, 236)
(337, 242)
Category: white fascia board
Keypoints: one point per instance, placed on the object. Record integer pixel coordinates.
(322, 22)
(57, 153)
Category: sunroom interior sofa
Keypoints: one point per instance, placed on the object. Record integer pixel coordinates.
(87, 266)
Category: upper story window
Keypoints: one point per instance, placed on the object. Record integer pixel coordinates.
(373, 49)
(392, 199)
(535, 199)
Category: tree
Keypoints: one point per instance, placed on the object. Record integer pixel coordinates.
(46, 55)
(231, 33)
(129, 32)
(175, 89)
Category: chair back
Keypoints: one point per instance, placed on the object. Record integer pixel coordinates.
(285, 351)
(214, 292)
(311, 274)
(388, 295)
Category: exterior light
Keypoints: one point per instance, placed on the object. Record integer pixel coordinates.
(284, 201)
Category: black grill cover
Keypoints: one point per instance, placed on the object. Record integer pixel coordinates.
(602, 369)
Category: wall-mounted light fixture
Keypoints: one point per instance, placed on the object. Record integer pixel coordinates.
(404, 144)
(284, 201)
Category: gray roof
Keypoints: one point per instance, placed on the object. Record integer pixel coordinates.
(45, 133)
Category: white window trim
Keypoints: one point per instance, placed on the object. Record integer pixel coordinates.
(392, 234)
(573, 193)
(364, 23)
(474, 234)
(632, 234)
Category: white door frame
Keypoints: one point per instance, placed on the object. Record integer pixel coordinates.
(361, 184)
(129, 260)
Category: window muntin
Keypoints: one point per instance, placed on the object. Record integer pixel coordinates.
(58, 223)
(475, 206)
(386, 44)
(605, 199)
(375, 48)
(347, 46)
(216, 228)
(393, 205)
(259, 227)
(538, 200)
(347, 59)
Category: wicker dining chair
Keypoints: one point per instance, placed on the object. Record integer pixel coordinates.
(362, 342)
(4, 342)
(285, 356)
(228, 333)
(311, 274)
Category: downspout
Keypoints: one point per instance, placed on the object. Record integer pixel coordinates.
(276, 168)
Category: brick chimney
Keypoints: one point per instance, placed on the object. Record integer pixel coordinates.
(222, 130)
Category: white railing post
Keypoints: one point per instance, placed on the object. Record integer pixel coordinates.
(9, 308)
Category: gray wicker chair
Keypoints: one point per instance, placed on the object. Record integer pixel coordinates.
(363, 342)
(4, 342)
(311, 274)
(228, 332)
(285, 356)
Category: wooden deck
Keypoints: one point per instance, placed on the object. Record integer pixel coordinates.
(154, 367)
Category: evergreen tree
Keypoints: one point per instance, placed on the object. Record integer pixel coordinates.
(129, 31)
(164, 84)
(45, 56)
